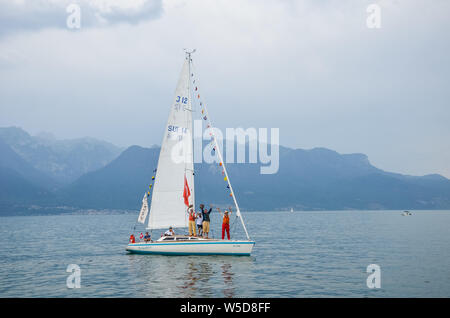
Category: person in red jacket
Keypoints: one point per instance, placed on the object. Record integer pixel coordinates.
(132, 239)
(225, 222)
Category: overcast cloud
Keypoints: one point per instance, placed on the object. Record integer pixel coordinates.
(311, 68)
(19, 15)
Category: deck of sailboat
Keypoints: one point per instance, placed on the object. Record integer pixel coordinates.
(186, 245)
(187, 238)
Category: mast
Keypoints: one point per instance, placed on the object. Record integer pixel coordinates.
(216, 145)
(192, 187)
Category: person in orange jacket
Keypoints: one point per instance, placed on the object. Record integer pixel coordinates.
(225, 222)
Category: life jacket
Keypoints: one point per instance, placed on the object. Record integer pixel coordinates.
(226, 219)
(191, 216)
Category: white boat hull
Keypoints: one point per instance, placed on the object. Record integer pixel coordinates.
(203, 247)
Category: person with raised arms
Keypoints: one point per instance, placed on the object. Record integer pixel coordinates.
(206, 219)
(225, 222)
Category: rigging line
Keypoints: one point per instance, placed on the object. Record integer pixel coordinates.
(238, 212)
(233, 225)
(149, 193)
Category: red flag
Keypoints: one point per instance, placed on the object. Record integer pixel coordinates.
(186, 192)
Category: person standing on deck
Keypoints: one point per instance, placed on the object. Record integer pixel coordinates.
(225, 223)
(199, 222)
(206, 221)
(192, 229)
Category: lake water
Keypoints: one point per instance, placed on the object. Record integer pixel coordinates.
(300, 254)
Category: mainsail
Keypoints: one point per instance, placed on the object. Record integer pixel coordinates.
(175, 160)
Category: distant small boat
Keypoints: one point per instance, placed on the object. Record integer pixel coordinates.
(405, 213)
(292, 210)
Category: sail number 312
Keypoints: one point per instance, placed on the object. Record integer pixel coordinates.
(182, 99)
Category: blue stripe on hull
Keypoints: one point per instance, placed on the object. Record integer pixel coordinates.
(139, 251)
(186, 243)
(185, 254)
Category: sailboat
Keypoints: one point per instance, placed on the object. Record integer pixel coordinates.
(174, 190)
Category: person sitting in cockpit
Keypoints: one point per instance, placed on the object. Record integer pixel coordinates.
(169, 232)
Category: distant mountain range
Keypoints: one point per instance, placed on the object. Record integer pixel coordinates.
(63, 160)
(41, 172)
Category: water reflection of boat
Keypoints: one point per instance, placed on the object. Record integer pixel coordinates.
(201, 278)
(195, 278)
(227, 275)
(191, 276)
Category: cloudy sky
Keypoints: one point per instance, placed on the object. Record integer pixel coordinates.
(311, 68)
